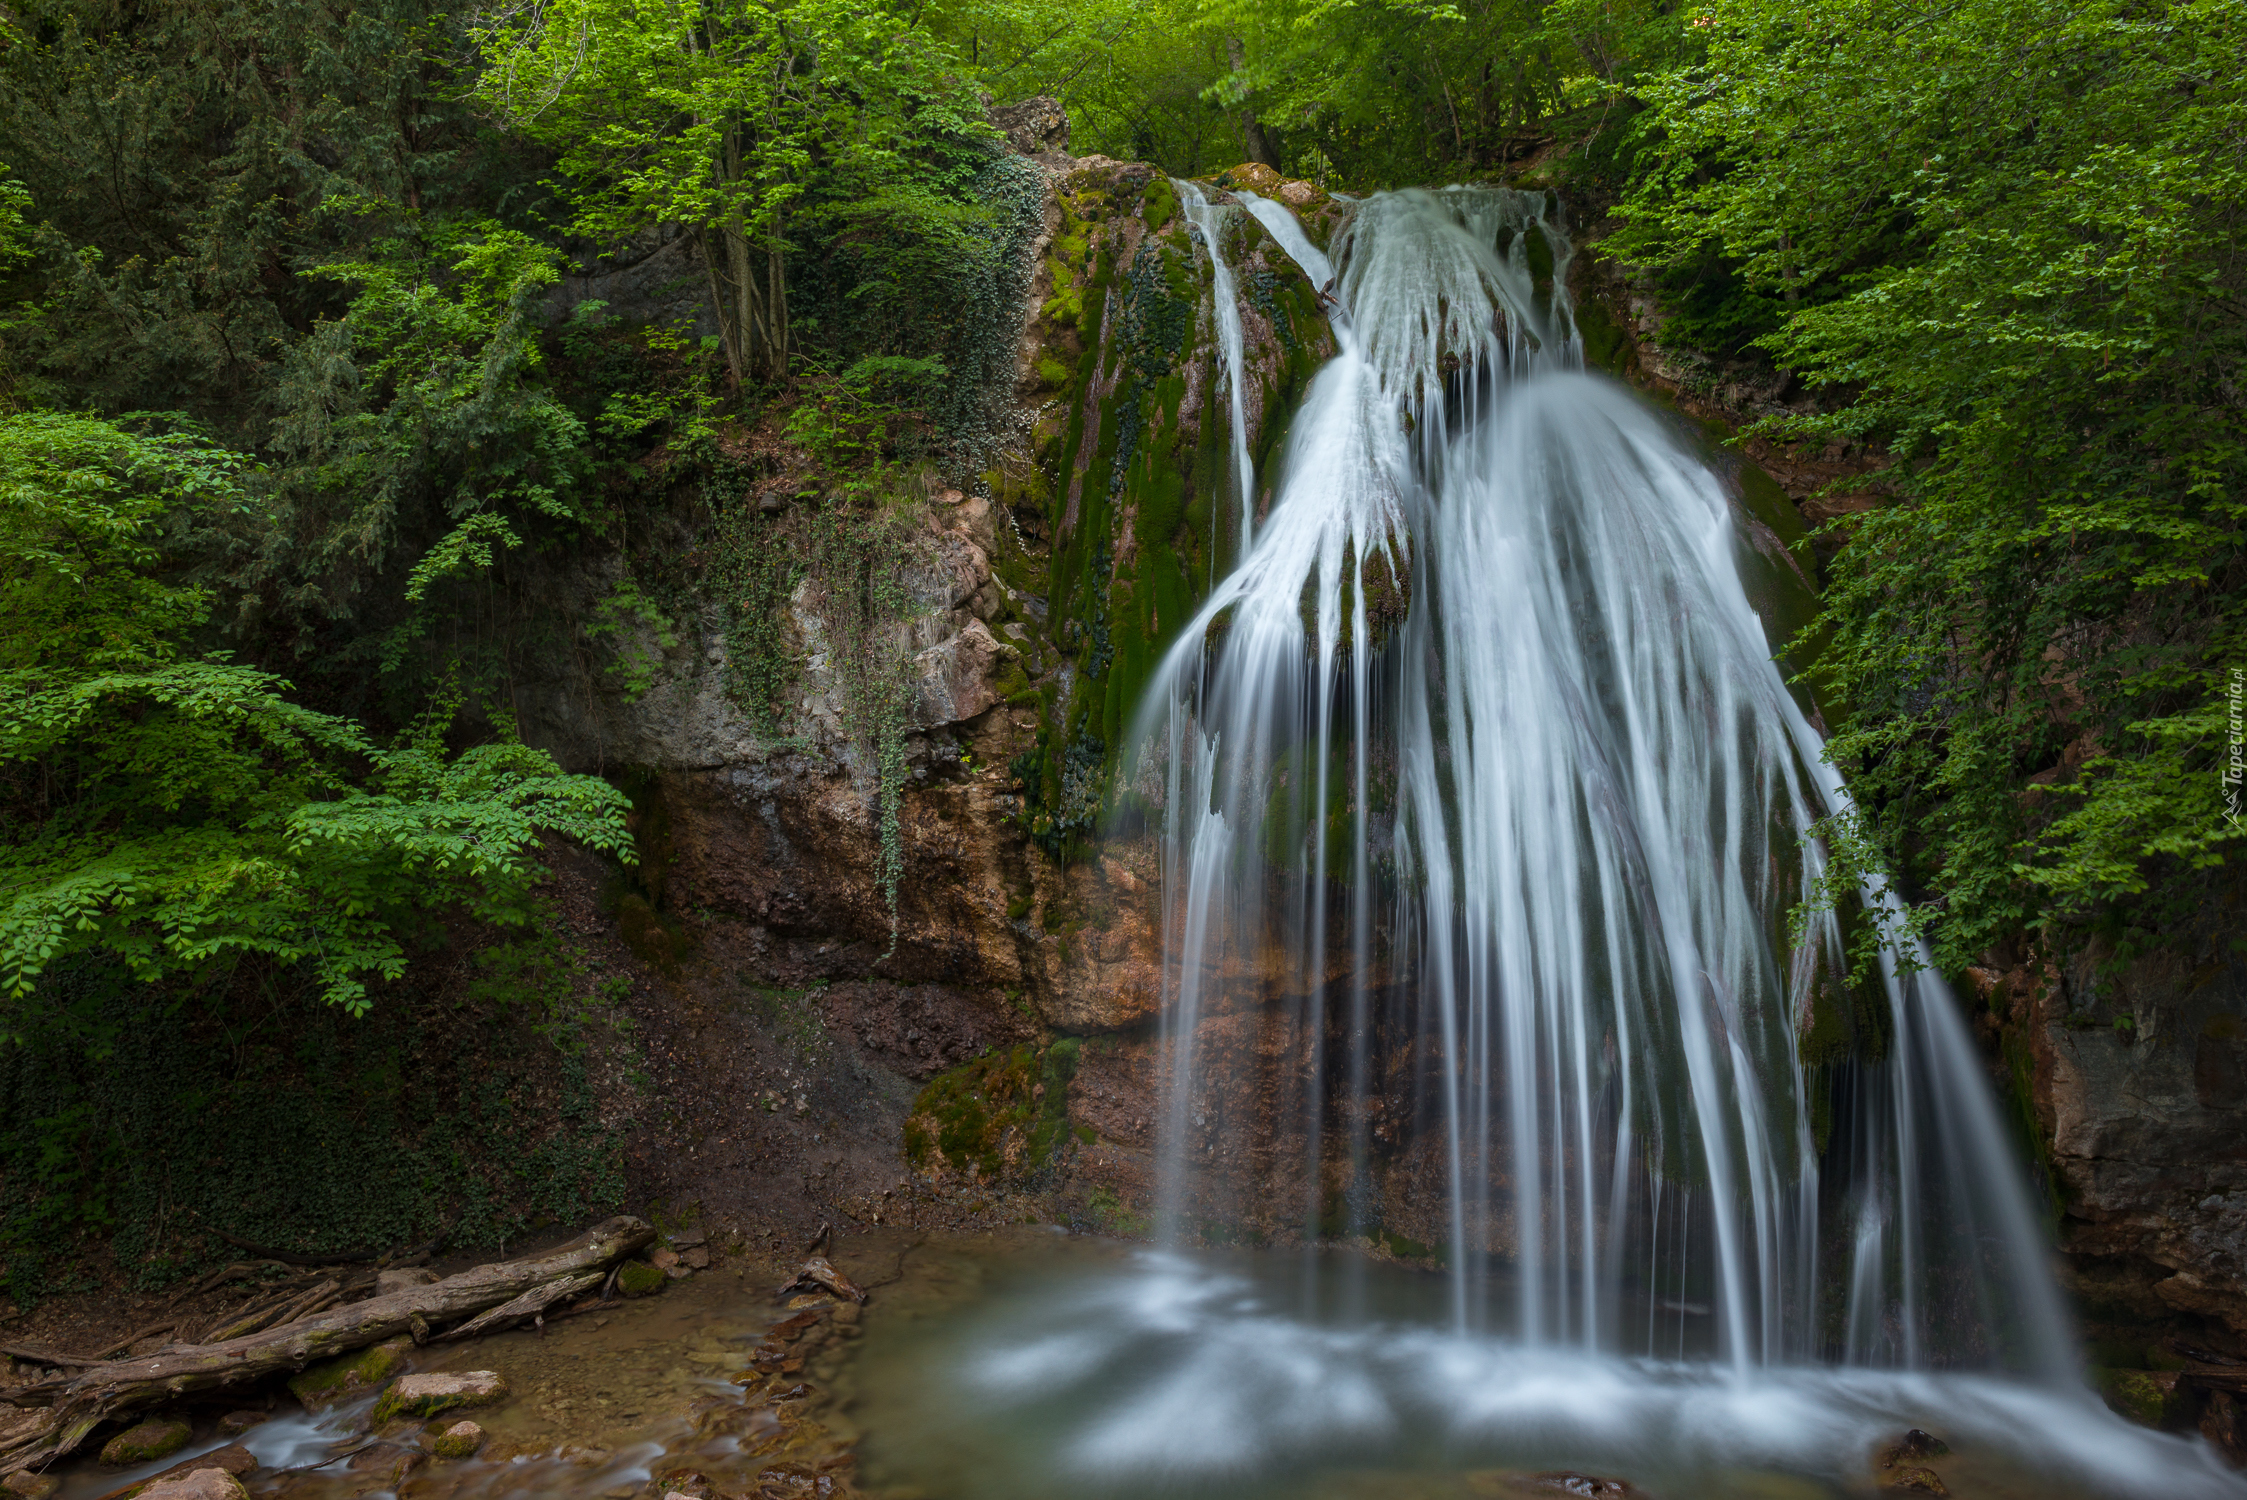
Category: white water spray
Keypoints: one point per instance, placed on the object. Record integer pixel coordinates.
(1500, 880)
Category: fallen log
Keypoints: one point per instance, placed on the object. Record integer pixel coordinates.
(78, 1402)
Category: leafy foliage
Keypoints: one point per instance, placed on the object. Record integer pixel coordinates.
(2011, 233)
(739, 119)
(174, 811)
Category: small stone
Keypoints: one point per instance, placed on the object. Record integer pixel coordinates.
(639, 1279)
(1552, 1483)
(1908, 1480)
(349, 1376)
(403, 1278)
(1913, 1446)
(235, 1423)
(233, 1458)
(202, 1484)
(663, 1257)
(696, 1257)
(159, 1437)
(461, 1440)
(30, 1486)
(430, 1394)
(688, 1237)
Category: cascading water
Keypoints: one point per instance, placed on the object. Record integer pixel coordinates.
(1483, 810)
(1532, 848)
(1208, 228)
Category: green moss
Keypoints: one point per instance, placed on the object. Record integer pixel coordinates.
(1605, 347)
(395, 1403)
(461, 1440)
(351, 1375)
(2149, 1398)
(1003, 1114)
(1410, 1249)
(1158, 204)
(1114, 1216)
(158, 1437)
(639, 1279)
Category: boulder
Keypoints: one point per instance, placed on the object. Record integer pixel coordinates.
(158, 1437)
(955, 679)
(233, 1459)
(639, 1279)
(349, 1376)
(430, 1394)
(1037, 126)
(201, 1484)
(1915, 1446)
(461, 1440)
(29, 1485)
(2151, 1398)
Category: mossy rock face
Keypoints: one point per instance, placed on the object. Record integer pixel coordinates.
(349, 1376)
(639, 1279)
(1004, 1114)
(159, 1437)
(461, 1440)
(430, 1395)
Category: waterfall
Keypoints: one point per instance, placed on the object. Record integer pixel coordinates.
(1484, 807)
(1207, 223)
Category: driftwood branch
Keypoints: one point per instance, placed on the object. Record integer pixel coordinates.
(531, 1303)
(78, 1402)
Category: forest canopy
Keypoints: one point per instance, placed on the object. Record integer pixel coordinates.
(293, 408)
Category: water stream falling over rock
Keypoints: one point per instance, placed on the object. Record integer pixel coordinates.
(1484, 807)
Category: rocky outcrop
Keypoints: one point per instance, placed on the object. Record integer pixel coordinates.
(2135, 1075)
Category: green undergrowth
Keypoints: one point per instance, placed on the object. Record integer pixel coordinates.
(1006, 1114)
(464, 1106)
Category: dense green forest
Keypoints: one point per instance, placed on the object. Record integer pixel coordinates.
(289, 413)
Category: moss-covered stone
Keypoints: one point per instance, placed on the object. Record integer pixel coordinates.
(639, 1279)
(158, 1437)
(461, 1440)
(431, 1394)
(2151, 1398)
(1004, 1114)
(349, 1376)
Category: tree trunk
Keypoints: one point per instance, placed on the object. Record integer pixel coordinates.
(1255, 140)
(81, 1401)
(729, 335)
